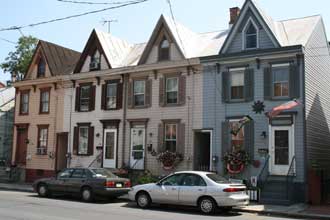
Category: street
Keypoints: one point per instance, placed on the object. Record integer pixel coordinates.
(27, 206)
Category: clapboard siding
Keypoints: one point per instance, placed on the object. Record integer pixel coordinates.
(318, 98)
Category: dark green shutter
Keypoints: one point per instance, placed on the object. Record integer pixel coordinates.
(249, 84)
(225, 142)
(249, 139)
(294, 82)
(225, 87)
(267, 83)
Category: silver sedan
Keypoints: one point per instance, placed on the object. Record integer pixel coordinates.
(191, 188)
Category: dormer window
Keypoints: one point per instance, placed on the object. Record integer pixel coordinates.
(164, 50)
(95, 63)
(250, 40)
(41, 68)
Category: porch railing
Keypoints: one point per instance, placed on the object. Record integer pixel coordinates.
(97, 159)
(290, 176)
(263, 175)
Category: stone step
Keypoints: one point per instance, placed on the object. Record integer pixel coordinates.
(275, 201)
(273, 195)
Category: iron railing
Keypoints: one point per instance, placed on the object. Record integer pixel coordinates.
(97, 159)
(290, 176)
(263, 175)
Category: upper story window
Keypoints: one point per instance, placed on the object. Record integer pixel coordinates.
(85, 96)
(250, 36)
(95, 63)
(280, 73)
(237, 84)
(164, 50)
(139, 92)
(172, 90)
(42, 139)
(24, 102)
(44, 100)
(41, 68)
(111, 96)
(170, 137)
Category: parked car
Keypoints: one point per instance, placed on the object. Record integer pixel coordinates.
(191, 188)
(85, 182)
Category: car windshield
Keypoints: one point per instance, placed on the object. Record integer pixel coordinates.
(217, 178)
(103, 173)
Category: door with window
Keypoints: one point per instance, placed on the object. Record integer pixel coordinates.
(281, 149)
(110, 148)
(137, 148)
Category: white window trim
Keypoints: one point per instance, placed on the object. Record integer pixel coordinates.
(115, 96)
(231, 71)
(177, 91)
(83, 127)
(273, 82)
(249, 21)
(144, 93)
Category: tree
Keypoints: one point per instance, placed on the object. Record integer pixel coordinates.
(17, 62)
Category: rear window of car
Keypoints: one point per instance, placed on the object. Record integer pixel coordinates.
(103, 173)
(217, 178)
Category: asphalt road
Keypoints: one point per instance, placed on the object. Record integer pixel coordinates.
(27, 206)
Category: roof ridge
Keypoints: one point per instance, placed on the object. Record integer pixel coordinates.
(299, 18)
(57, 45)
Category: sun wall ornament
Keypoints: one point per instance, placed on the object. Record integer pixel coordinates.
(258, 107)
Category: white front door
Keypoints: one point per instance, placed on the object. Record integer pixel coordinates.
(281, 149)
(137, 148)
(110, 148)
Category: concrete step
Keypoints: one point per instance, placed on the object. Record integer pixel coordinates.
(273, 195)
(269, 201)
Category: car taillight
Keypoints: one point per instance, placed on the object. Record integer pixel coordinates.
(128, 184)
(229, 190)
(110, 184)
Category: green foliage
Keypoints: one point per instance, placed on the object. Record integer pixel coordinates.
(147, 178)
(18, 61)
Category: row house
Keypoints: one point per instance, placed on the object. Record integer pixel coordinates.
(38, 120)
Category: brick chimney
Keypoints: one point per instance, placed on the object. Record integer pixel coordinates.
(234, 13)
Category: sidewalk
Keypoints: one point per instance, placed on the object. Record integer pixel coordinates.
(302, 211)
(16, 187)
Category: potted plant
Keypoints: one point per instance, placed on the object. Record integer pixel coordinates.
(168, 159)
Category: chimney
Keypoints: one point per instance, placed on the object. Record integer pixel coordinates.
(234, 13)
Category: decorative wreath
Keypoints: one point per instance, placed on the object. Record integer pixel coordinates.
(236, 161)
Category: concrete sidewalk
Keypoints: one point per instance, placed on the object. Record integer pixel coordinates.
(22, 187)
(302, 211)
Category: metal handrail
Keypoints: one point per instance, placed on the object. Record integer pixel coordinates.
(262, 171)
(291, 173)
(96, 158)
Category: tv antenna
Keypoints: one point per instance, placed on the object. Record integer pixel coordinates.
(104, 22)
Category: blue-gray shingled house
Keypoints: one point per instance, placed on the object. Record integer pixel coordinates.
(262, 61)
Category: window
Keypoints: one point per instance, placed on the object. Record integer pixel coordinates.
(65, 174)
(174, 180)
(280, 80)
(95, 63)
(237, 85)
(251, 37)
(42, 140)
(172, 90)
(111, 96)
(164, 50)
(193, 180)
(78, 173)
(41, 68)
(24, 102)
(139, 92)
(170, 137)
(44, 101)
(85, 93)
(237, 135)
(83, 140)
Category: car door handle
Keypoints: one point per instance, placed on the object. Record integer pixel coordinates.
(200, 190)
(173, 189)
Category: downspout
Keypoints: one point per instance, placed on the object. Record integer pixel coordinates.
(69, 154)
(125, 79)
(54, 157)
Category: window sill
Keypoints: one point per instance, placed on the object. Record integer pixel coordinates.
(111, 109)
(141, 107)
(43, 113)
(23, 114)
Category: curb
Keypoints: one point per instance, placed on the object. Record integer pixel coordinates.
(18, 189)
(286, 214)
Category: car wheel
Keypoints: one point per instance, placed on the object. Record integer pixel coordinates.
(43, 190)
(87, 194)
(207, 205)
(143, 200)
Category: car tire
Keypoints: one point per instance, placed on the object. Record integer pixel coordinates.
(207, 205)
(87, 194)
(143, 200)
(43, 190)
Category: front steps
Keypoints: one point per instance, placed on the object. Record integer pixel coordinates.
(275, 191)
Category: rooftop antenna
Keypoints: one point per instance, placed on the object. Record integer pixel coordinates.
(104, 21)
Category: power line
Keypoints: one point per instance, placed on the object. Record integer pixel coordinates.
(8, 41)
(95, 3)
(72, 16)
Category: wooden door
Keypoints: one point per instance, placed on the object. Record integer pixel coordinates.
(61, 151)
(21, 146)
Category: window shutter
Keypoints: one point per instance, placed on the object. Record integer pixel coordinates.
(90, 141)
(225, 142)
(103, 97)
(75, 141)
(249, 139)
(130, 95)
(92, 98)
(249, 85)
(268, 83)
(160, 138)
(77, 106)
(294, 82)
(181, 139)
(161, 92)
(119, 96)
(225, 87)
(148, 92)
(182, 90)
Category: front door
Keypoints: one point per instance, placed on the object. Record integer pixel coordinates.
(281, 149)
(110, 148)
(61, 151)
(137, 148)
(21, 145)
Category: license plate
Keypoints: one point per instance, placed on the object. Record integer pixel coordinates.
(119, 185)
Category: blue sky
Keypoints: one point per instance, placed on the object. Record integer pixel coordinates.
(135, 23)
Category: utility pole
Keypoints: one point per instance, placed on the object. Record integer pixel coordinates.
(109, 23)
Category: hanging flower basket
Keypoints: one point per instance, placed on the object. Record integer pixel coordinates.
(169, 159)
(236, 161)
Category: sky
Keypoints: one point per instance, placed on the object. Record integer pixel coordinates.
(134, 23)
